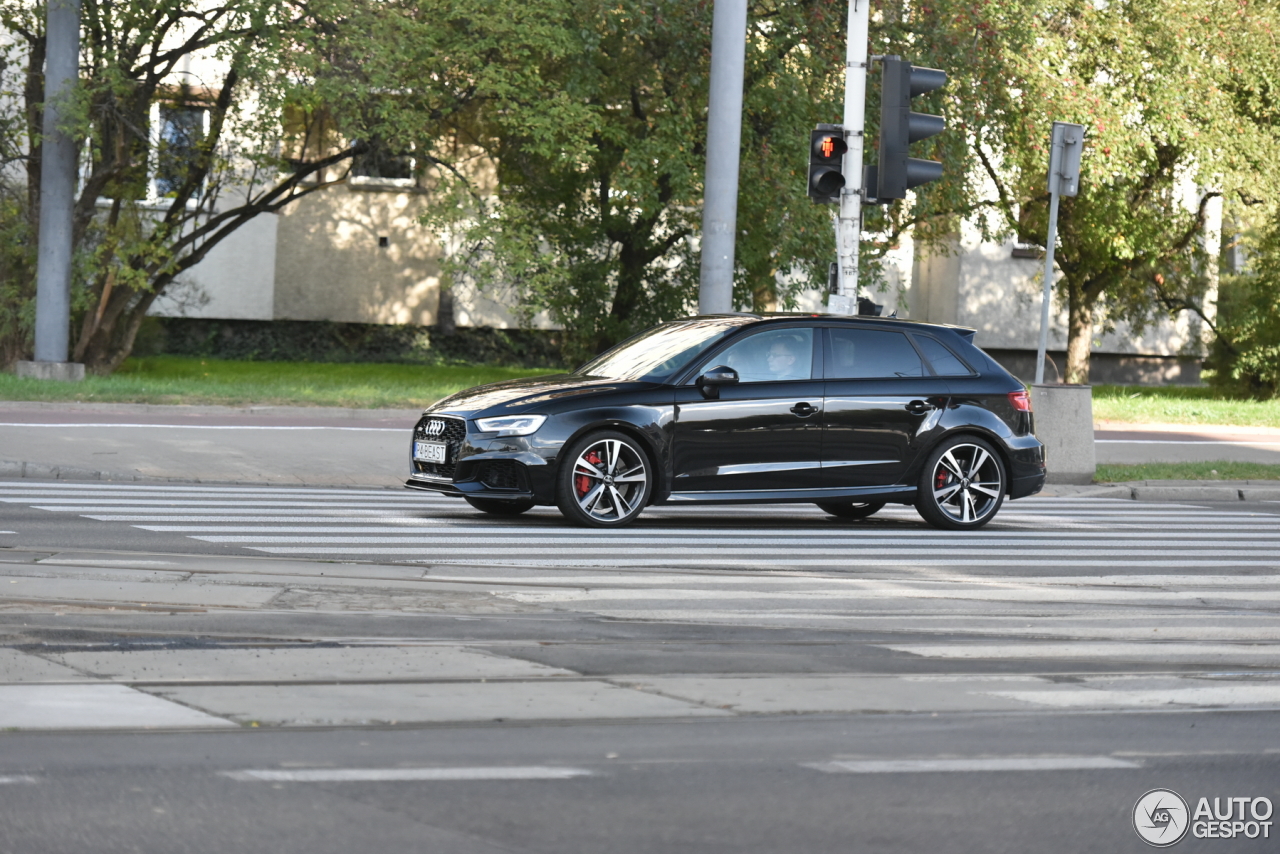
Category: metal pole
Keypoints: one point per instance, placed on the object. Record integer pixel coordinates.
(1048, 280)
(57, 183)
(724, 138)
(849, 227)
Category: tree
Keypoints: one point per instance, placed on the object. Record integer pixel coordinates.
(599, 200)
(1179, 101)
(200, 116)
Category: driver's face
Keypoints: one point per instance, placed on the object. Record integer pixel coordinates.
(780, 359)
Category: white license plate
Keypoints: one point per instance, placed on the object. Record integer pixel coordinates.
(430, 452)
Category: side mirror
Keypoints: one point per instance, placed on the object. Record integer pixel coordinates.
(709, 383)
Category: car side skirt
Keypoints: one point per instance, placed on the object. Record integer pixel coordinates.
(902, 494)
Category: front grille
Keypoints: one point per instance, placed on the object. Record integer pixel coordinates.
(502, 474)
(455, 430)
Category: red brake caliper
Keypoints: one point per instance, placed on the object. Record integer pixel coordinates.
(941, 479)
(581, 482)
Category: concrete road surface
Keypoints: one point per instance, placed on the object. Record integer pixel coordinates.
(201, 668)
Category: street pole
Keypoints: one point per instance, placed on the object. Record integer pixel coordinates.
(57, 185)
(724, 138)
(1065, 146)
(1048, 280)
(849, 224)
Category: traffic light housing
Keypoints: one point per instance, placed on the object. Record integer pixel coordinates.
(826, 163)
(898, 172)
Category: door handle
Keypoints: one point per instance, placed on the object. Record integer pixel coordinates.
(919, 407)
(804, 410)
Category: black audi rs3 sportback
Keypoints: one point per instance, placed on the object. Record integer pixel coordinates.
(848, 413)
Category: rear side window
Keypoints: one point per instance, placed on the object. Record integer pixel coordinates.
(871, 354)
(945, 363)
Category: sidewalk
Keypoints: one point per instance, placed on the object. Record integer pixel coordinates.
(323, 446)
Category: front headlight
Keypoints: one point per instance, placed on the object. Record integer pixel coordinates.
(511, 425)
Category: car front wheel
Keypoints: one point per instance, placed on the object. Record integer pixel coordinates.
(604, 480)
(962, 484)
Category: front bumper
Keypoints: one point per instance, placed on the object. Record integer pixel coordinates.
(482, 466)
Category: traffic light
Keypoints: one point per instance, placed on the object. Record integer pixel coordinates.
(826, 162)
(899, 127)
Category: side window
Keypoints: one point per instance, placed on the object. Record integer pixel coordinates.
(783, 354)
(945, 363)
(871, 354)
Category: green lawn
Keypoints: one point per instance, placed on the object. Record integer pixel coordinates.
(179, 379)
(1220, 470)
(1180, 405)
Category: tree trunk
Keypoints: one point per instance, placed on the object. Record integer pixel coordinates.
(1079, 333)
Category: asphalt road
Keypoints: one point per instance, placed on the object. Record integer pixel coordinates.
(200, 668)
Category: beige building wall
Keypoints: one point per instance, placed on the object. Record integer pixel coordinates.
(330, 263)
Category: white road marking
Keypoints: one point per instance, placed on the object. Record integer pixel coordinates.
(364, 775)
(1087, 650)
(1007, 763)
(63, 425)
(15, 778)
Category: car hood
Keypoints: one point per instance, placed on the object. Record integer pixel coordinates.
(516, 395)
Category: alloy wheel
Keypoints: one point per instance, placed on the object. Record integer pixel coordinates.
(609, 480)
(967, 483)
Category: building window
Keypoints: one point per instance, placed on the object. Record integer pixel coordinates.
(383, 166)
(180, 130)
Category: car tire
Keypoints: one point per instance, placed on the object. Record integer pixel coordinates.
(604, 480)
(962, 485)
(500, 506)
(850, 509)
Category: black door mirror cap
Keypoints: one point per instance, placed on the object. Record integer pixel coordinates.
(719, 375)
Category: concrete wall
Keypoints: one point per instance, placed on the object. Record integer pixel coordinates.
(329, 264)
(235, 281)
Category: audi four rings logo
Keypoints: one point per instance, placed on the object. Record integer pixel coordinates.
(434, 427)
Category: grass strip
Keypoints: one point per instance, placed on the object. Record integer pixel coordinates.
(1213, 470)
(191, 380)
(1181, 405)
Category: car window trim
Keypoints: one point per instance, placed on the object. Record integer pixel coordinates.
(815, 365)
(924, 363)
(943, 345)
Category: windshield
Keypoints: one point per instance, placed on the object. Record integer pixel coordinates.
(658, 353)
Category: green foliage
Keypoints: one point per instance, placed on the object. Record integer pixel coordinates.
(17, 248)
(1178, 98)
(1183, 405)
(185, 380)
(1210, 471)
(1247, 358)
(293, 92)
(324, 341)
(600, 179)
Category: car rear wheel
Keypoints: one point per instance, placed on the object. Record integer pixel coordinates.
(850, 509)
(500, 506)
(604, 481)
(962, 485)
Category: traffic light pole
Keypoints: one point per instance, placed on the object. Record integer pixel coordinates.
(849, 225)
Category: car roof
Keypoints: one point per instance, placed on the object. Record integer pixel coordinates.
(862, 319)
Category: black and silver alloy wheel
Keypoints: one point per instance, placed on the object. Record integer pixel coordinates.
(604, 480)
(962, 484)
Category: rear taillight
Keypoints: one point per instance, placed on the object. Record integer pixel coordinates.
(1021, 400)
